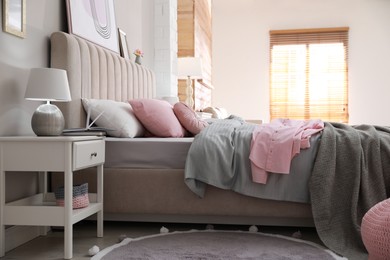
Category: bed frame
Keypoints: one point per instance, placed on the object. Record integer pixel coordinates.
(152, 195)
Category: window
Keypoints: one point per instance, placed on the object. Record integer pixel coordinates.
(309, 74)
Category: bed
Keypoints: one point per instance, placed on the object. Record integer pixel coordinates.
(158, 193)
(153, 190)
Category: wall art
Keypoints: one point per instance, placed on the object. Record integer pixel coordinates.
(94, 20)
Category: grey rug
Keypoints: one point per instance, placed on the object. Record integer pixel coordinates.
(212, 244)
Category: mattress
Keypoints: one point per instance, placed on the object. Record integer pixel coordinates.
(147, 153)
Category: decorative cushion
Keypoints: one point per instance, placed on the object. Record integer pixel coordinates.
(188, 118)
(375, 230)
(157, 117)
(117, 115)
(216, 112)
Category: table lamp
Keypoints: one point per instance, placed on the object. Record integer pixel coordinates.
(189, 68)
(48, 84)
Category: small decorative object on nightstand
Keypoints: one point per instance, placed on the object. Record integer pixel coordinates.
(48, 84)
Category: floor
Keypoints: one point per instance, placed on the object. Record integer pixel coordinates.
(84, 233)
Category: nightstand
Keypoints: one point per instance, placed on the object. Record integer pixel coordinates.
(50, 154)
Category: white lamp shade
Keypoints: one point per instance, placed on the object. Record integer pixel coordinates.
(48, 84)
(171, 99)
(189, 67)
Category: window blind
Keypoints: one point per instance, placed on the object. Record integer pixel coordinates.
(309, 74)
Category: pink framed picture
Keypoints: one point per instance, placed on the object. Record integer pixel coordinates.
(94, 20)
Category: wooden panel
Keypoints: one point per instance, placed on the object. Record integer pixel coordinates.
(185, 28)
(195, 40)
(203, 49)
(182, 93)
(203, 37)
(202, 96)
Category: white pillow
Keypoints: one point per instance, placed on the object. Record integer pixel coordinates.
(117, 115)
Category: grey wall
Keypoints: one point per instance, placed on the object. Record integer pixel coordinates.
(18, 56)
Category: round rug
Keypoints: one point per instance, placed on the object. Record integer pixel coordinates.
(213, 244)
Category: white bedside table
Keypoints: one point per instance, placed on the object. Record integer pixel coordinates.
(50, 154)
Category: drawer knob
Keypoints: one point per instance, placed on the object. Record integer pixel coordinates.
(94, 154)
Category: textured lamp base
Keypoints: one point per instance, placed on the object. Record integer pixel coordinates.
(189, 93)
(47, 120)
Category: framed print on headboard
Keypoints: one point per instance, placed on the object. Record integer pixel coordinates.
(94, 20)
(123, 44)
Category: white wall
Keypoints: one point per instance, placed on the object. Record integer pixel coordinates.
(165, 47)
(135, 18)
(241, 51)
(151, 26)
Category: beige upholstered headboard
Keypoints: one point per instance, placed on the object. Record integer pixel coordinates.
(96, 72)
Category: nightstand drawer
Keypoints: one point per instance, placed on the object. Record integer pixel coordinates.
(88, 153)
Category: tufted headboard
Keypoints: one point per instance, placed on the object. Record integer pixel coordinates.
(96, 72)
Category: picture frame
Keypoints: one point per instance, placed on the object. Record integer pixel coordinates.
(94, 21)
(124, 49)
(14, 17)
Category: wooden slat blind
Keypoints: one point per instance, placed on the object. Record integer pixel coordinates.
(309, 74)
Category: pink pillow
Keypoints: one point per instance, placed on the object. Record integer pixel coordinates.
(157, 117)
(188, 118)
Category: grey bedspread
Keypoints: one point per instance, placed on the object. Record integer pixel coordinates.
(219, 156)
(350, 175)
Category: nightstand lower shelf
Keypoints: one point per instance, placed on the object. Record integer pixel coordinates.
(41, 210)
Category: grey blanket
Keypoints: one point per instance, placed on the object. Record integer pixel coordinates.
(219, 156)
(350, 175)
